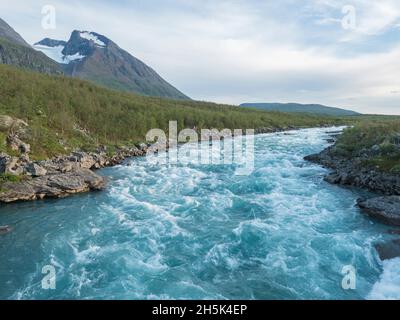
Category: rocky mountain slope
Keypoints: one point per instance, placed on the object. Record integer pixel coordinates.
(94, 57)
(8, 33)
(15, 51)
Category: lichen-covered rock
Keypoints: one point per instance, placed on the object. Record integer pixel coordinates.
(10, 165)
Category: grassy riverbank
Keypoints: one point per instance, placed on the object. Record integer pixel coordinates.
(64, 114)
(378, 138)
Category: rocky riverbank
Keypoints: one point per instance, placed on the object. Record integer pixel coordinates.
(24, 179)
(62, 176)
(356, 171)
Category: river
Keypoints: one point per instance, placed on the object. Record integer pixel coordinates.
(201, 232)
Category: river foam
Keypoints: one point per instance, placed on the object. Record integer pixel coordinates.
(201, 232)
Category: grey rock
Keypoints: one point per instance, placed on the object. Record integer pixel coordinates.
(50, 166)
(52, 186)
(5, 230)
(36, 170)
(63, 175)
(100, 160)
(17, 144)
(24, 158)
(72, 158)
(24, 147)
(142, 147)
(67, 166)
(10, 165)
(386, 208)
(375, 149)
(86, 160)
(388, 250)
(10, 123)
(332, 178)
(352, 172)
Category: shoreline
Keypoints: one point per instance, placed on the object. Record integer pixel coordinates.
(142, 196)
(384, 207)
(64, 176)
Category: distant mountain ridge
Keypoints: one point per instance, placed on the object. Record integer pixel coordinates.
(94, 57)
(301, 108)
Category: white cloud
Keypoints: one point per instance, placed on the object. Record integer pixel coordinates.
(238, 51)
(372, 17)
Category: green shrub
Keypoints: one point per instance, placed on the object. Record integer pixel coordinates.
(5, 177)
(371, 131)
(396, 169)
(387, 148)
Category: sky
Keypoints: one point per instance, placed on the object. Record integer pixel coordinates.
(343, 53)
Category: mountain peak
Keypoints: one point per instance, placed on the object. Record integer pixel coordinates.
(84, 43)
(91, 56)
(80, 45)
(93, 37)
(50, 43)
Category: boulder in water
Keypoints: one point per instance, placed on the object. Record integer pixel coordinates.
(386, 208)
(5, 229)
(388, 250)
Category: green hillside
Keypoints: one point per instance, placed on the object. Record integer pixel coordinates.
(301, 108)
(65, 113)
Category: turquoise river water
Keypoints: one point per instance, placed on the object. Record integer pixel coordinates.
(201, 232)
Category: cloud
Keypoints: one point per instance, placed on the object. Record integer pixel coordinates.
(237, 51)
(372, 17)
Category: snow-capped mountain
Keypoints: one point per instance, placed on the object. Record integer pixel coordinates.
(80, 46)
(94, 57)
